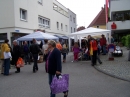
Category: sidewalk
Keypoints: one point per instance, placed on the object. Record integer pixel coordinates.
(119, 68)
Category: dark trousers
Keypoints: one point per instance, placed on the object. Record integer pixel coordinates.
(6, 66)
(86, 56)
(35, 66)
(50, 80)
(64, 56)
(94, 57)
(27, 58)
(98, 59)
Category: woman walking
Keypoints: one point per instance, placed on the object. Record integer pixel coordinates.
(53, 63)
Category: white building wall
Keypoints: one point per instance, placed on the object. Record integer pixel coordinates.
(72, 21)
(6, 14)
(60, 18)
(10, 17)
(34, 9)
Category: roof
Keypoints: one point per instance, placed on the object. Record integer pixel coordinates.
(100, 19)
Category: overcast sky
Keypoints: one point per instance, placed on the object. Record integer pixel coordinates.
(86, 10)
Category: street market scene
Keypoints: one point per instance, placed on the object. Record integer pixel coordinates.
(48, 50)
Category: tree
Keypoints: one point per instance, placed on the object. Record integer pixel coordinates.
(81, 28)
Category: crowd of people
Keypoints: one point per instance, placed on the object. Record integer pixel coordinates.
(52, 52)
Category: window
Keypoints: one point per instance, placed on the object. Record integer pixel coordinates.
(71, 30)
(66, 28)
(57, 25)
(70, 18)
(61, 26)
(74, 20)
(74, 30)
(44, 22)
(55, 7)
(40, 1)
(23, 14)
(121, 15)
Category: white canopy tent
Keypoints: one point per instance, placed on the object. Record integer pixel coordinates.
(90, 31)
(38, 36)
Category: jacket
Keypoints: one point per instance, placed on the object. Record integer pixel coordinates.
(59, 46)
(54, 62)
(16, 51)
(4, 48)
(103, 41)
(34, 49)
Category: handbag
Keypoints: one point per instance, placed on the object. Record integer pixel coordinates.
(20, 62)
(60, 85)
(7, 55)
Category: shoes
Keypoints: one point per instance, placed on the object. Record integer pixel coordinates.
(100, 62)
(17, 71)
(2, 73)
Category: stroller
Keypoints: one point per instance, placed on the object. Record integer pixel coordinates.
(118, 51)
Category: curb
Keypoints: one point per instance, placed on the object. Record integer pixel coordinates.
(100, 70)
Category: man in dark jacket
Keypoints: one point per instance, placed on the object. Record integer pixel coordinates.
(34, 49)
(16, 53)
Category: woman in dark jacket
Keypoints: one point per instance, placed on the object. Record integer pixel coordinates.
(53, 63)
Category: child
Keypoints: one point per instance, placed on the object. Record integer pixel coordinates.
(76, 51)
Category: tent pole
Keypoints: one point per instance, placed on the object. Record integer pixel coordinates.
(80, 41)
(69, 44)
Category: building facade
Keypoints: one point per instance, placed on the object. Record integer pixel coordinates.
(119, 18)
(100, 20)
(72, 22)
(22, 17)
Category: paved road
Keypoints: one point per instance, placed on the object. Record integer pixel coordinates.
(85, 81)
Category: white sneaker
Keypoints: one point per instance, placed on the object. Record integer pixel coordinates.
(72, 61)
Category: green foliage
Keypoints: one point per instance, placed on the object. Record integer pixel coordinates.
(123, 40)
(126, 40)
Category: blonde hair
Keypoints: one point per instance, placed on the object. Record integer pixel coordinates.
(52, 43)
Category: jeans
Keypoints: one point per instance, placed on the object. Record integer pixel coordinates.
(35, 66)
(50, 80)
(104, 49)
(86, 56)
(64, 56)
(27, 58)
(6, 66)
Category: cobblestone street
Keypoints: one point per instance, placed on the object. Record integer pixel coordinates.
(85, 81)
(119, 68)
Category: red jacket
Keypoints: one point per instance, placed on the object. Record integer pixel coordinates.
(103, 41)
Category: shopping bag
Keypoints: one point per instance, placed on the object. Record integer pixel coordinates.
(59, 85)
(20, 62)
(7, 55)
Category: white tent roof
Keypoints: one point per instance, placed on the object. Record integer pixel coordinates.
(37, 35)
(90, 31)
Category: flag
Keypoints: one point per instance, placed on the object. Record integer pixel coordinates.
(107, 1)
